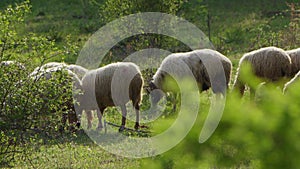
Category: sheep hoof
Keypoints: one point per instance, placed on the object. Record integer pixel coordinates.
(78, 125)
(99, 128)
(122, 128)
(144, 127)
(136, 127)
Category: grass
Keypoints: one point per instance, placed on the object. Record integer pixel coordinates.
(236, 25)
(79, 151)
(73, 152)
(235, 29)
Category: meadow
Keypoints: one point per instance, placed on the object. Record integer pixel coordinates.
(262, 133)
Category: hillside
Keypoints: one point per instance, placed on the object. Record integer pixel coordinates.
(251, 133)
(236, 26)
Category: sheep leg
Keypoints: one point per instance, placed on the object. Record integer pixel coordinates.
(242, 90)
(124, 113)
(89, 117)
(72, 117)
(240, 86)
(99, 114)
(137, 112)
(63, 122)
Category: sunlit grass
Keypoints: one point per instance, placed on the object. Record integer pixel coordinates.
(252, 133)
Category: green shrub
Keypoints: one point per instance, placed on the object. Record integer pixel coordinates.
(260, 133)
(31, 108)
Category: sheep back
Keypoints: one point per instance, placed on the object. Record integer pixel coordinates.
(50, 65)
(195, 62)
(295, 59)
(112, 85)
(270, 63)
(117, 83)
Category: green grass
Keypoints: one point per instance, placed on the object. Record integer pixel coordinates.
(235, 28)
(73, 152)
(236, 24)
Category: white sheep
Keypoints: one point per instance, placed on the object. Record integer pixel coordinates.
(270, 64)
(295, 58)
(49, 65)
(11, 62)
(7, 63)
(69, 102)
(78, 70)
(112, 85)
(206, 65)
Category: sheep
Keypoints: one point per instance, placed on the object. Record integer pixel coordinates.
(203, 64)
(291, 83)
(53, 64)
(47, 73)
(7, 63)
(69, 101)
(78, 70)
(49, 65)
(11, 62)
(295, 58)
(112, 85)
(270, 63)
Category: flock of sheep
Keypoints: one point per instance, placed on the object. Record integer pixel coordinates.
(118, 83)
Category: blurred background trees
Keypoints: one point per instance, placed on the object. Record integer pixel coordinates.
(251, 134)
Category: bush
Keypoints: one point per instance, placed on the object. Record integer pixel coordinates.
(260, 133)
(31, 108)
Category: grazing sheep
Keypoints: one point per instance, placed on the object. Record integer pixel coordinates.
(69, 100)
(78, 70)
(205, 65)
(270, 64)
(7, 63)
(47, 73)
(53, 64)
(49, 65)
(295, 58)
(112, 85)
(10, 62)
(46, 66)
(290, 83)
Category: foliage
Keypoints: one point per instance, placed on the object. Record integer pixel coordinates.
(29, 106)
(260, 133)
(252, 134)
(115, 9)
